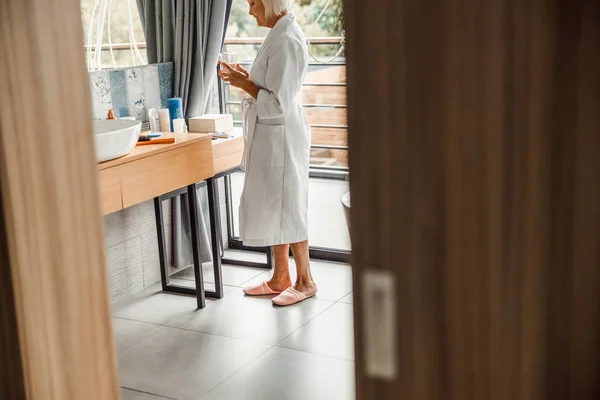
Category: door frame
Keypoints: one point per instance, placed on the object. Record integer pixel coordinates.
(56, 336)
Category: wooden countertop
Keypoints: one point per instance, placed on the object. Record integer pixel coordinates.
(151, 170)
(227, 153)
(181, 139)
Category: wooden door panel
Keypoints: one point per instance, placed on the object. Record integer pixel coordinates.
(56, 334)
(479, 193)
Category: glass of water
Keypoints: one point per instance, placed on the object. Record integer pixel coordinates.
(228, 58)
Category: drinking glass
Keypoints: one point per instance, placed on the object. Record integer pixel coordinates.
(228, 58)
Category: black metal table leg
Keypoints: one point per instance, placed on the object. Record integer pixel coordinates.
(193, 210)
(217, 247)
(270, 258)
(162, 250)
(217, 206)
(215, 233)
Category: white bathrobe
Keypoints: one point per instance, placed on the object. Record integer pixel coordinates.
(274, 201)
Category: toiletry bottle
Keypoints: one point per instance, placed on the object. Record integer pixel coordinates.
(152, 119)
(175, 110)
(164, 120)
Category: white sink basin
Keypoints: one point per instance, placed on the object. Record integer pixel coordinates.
(115, 137)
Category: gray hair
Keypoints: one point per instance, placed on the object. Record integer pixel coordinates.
(275, 7)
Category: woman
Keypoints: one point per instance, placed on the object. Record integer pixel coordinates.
(274, 202)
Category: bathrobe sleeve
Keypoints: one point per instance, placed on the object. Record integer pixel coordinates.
(283, 80)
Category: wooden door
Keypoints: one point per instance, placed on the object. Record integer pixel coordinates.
(474, 134)
(56, 338)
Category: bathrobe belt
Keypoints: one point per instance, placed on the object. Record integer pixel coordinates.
(249, 121)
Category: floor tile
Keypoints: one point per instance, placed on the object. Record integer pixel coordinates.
(183, 364)
(231, 275)
(127, 394)
(327, 222)
(129, 332)
(349, 299)
(245, 256)
(250, 318)
(330, 333)
(154, 306)
(334, 280)
(209, 287)
(290, 375)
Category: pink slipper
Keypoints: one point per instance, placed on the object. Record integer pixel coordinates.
(290, 296)
(259, 290)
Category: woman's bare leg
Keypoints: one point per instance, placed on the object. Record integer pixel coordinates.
(304, 281)
(281, 275)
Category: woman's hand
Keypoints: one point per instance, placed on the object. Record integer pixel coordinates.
(238, 77)
(241, 69)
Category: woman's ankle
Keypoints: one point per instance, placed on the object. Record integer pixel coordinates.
(280, 283)
(306, 286)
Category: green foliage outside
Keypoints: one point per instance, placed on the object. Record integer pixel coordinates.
(332, 21)
(242, 25)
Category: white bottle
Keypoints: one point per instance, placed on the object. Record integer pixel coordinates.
(153, 120)
(164, 120)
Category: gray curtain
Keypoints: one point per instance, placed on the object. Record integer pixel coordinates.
(190, 34)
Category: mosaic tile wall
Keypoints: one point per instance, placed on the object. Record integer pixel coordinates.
(131, 91)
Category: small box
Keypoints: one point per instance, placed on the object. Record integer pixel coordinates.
(210, 123)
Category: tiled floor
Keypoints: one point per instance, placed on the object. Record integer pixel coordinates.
(239, 347)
